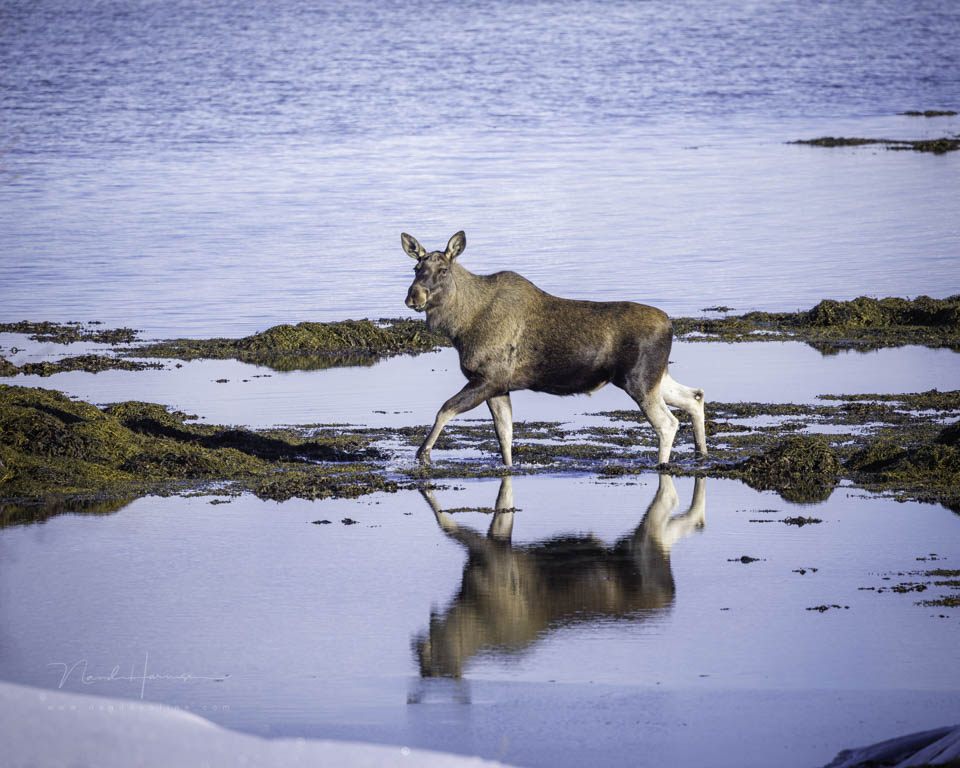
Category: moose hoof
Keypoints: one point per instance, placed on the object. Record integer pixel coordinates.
(423, 457)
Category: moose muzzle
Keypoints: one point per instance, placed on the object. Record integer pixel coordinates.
(417, 297)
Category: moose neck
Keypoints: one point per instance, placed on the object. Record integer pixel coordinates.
(465, 299)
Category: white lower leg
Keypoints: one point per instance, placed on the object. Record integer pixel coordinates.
(423, 453)
(502, 414)
(690, 400)
(664, 423)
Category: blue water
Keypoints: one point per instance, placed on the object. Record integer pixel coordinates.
(210, 167)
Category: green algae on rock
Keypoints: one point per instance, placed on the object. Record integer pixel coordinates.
(53, 446)
(306, 346)
(862, 323)
(72, 332)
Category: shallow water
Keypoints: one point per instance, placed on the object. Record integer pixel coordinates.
(251, 616)
(405, 391)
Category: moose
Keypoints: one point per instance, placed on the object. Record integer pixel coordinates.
(511, 336)
(512, 596)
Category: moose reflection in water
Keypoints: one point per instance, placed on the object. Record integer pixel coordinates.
(511, 596)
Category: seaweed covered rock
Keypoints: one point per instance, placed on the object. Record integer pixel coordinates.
(876, 456)
(306, 346)
(928, 472)
(69, 333)
(830, 326)
(303, 485)
(52, 445)
(7, 368)
(950, 435)
(801, 468)
(864, 312)
(88, 363)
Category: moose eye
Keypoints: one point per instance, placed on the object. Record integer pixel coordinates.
(443, 271)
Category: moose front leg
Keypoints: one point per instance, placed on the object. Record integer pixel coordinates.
(474, 393)
(502, 414)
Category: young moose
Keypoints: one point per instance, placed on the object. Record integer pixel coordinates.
(513, 336)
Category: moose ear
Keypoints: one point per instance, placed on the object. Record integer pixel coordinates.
(456, 245)
(413, 249)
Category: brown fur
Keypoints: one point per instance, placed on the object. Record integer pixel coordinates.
(513, 336)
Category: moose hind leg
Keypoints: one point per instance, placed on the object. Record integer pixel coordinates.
(502, 413)
(664, 423)
(690, 400)
(474, 393)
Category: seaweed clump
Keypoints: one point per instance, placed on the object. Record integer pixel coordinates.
(928, 113)
(52, 446)
(936, 146)
(306, 346)
(69, 333)
(928, 471)
(88, 363)
(861, 323)
(801, 468)
(306, 485)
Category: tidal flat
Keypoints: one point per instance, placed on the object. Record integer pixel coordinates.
(253, 542)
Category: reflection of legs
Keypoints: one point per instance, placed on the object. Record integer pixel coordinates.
(691, 401)
(501, 527)
(660, 509)
(474, 393)
(503, 424)
(681, 526)
(659, 528)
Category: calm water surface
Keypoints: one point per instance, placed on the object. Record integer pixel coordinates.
(595, 610)
(216, 168)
